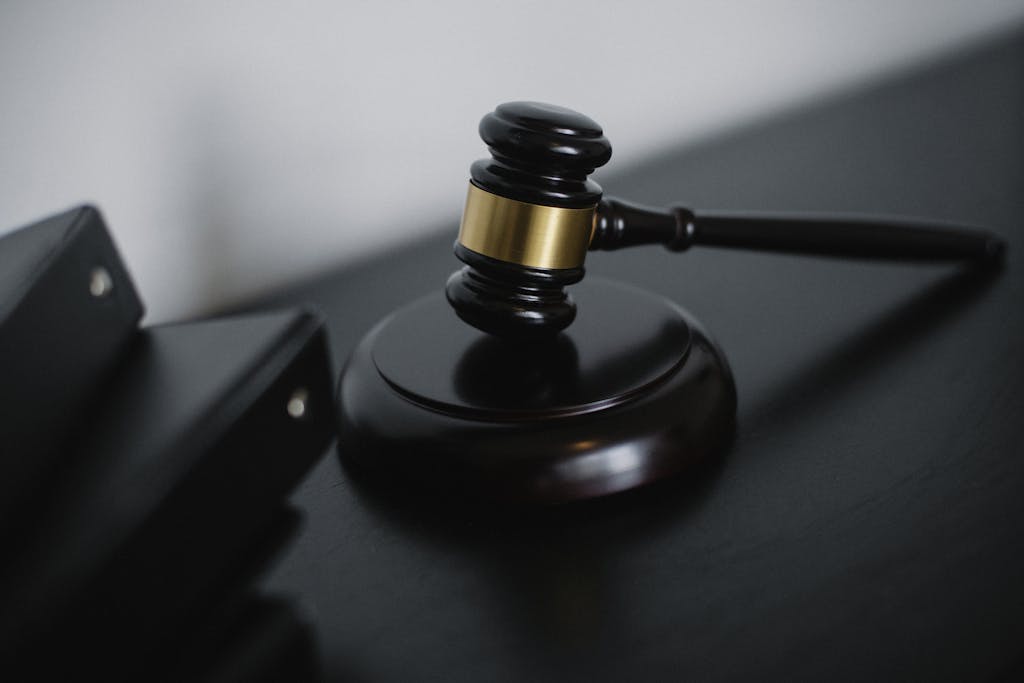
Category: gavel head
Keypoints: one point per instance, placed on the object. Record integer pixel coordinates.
(528, 220)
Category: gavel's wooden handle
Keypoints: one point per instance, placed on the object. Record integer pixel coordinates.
(620, 224)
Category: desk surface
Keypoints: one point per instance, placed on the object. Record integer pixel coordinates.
(868, 521)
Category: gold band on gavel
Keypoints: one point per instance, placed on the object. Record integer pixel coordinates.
(528, 234)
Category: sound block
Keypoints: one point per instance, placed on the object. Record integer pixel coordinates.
(632, 392)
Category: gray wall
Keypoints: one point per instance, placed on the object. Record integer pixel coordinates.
(237, 145)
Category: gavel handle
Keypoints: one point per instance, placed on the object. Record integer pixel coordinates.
(621, 224)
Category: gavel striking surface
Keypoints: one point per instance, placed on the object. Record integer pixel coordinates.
(632, 392)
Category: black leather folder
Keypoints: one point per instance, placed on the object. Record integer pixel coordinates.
(67, 310)
(170, 494)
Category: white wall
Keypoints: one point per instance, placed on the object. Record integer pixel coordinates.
(237, 145)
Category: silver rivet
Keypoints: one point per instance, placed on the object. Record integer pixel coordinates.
(297, 403)
(100, 282)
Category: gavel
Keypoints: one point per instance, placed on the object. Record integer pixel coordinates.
(532, 214)
(531, 402)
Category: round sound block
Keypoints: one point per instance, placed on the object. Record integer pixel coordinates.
(632, 392)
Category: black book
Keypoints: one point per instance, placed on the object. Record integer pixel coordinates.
(202, 432)
(68, 308)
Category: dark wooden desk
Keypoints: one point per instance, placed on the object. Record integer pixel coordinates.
(867, 524)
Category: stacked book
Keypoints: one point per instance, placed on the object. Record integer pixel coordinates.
(145, 472)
